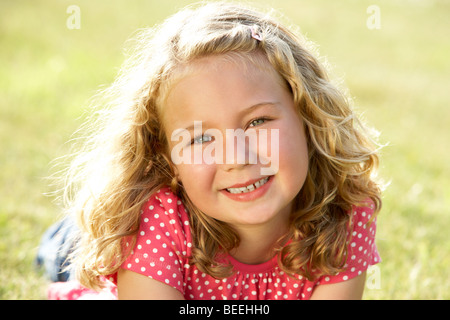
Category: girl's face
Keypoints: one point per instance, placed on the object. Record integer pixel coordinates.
(227, 95)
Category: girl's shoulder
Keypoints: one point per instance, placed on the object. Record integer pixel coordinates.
(164, 196)
(362, 251)
(363, 225)
(363, 214)
(164, 205)
(164, 240)
(164, 214)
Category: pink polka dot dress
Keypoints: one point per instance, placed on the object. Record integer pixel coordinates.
(164, 242)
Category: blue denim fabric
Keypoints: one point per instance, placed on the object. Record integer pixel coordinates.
(56, 245)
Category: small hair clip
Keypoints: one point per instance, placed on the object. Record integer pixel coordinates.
(255, 34)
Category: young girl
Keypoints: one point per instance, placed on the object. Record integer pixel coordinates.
(298, 224)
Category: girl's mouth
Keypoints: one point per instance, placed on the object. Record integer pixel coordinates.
(249, 191)
(250, 187)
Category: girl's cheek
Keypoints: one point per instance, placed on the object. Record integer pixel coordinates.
(196, 175)
(267, 150)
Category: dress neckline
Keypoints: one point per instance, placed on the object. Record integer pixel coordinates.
(253, 268)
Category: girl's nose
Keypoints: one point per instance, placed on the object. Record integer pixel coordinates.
(239, 150)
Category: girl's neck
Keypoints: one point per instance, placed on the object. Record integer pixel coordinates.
(258, 243)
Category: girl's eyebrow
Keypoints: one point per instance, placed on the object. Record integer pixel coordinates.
(198, 125)
(257, 106)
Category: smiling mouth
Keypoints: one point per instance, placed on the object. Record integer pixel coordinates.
(251, 187)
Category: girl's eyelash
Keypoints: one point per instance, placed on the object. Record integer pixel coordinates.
(263, 119)
(194, 140)
(202, 137)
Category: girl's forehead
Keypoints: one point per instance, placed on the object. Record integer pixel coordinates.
(247, 63)
(218, 86)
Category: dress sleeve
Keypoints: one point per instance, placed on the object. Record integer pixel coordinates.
(163, 241)
(362, 250)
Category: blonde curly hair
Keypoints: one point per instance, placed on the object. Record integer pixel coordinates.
(125, 158)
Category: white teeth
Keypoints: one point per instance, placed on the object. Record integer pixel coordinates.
(250, 187)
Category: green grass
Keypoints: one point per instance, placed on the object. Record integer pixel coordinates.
(398, 76)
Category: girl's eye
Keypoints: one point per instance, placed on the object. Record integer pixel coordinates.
(201, 139)
(257, 122)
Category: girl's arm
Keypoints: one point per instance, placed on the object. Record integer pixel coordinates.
(132, 285)
(347, 290)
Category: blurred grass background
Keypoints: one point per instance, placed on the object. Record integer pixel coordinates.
(398, 76)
